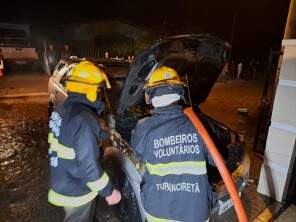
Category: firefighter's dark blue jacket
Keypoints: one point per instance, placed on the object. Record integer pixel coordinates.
(76, 174)
(175, 185)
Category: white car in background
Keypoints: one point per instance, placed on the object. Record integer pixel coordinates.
(15, 44)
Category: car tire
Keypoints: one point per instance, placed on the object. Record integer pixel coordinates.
(127, 210)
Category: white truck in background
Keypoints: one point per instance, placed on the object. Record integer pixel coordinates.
(15, 44)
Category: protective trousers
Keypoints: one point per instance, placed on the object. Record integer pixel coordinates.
(85, 213)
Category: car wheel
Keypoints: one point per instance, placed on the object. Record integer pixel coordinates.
(127, 210)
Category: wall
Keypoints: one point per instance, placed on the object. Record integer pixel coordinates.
(276, 171)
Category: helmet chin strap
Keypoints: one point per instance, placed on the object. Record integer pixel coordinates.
(165, 100)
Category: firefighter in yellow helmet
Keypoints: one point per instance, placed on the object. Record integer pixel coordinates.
(175, 185)
(86, 78)
(76, 175)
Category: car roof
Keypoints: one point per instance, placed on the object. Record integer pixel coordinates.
(103, 61)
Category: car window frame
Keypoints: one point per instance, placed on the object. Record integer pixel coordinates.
(63, 72)
(57, 68)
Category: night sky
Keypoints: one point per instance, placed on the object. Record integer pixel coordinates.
(257, 24)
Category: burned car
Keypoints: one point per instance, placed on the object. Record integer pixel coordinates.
(199, 60)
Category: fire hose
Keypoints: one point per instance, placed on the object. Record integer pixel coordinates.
(231, 188)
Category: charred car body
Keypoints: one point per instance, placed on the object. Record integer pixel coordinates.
(198, 59)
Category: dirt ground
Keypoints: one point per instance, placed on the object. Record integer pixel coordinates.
(23, 83)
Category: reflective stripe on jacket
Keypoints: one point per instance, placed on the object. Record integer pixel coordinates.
(175, 185)
(178, 168)
(76, 174)
(151, 218)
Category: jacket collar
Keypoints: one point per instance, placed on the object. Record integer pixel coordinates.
(169, 110)
(97, 105)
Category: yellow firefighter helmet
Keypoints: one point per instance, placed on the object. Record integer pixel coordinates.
(162, 76)
(85, 78)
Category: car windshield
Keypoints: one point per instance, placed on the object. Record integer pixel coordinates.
(117, 74)
(117, 71)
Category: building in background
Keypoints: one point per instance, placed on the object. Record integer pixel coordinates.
(94, 39)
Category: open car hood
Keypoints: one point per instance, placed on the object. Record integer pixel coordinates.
(198, 59)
